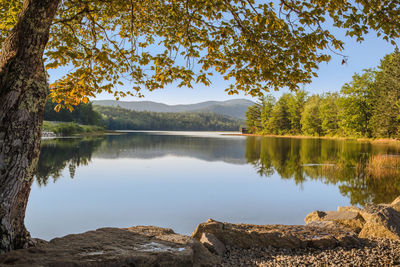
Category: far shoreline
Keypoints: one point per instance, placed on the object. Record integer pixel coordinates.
(363, 139)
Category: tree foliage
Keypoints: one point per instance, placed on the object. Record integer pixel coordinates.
(116, 118)
(386, 116)
(368, 106)
(253, 117)
(268, 103)
(295, 107)
(357, 104)
(311, 117)
(329, 114)
(279, 121)
(82, 113)
(149, 44)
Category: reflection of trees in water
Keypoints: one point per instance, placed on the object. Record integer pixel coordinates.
(148, 146)
(57, 154)
(362, 171)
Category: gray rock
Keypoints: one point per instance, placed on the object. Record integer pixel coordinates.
(136, 246)
(213, 244)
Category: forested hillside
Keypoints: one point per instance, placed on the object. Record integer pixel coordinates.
(367, 106)
(235, 108)
(116, 118)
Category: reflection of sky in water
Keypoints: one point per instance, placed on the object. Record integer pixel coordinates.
(172, 192)
(172, 180)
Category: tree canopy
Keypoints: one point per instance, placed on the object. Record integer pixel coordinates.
(256, 45)
(82, 113)
(368, 106)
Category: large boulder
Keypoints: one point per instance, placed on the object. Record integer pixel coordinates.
(136, 246)
(372, 221)
(348, 217)
(382, 221)
(318, 235)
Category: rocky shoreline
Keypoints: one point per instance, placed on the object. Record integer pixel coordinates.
(349, 236)
(376, 252)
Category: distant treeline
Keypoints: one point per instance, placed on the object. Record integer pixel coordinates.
(82, 113)
(368, 106)
(116, 118)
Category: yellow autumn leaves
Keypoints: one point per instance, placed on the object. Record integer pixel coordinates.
(123, 47)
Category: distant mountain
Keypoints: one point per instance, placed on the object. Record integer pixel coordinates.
(233, 108)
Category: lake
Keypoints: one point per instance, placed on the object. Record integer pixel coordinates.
(180, 179)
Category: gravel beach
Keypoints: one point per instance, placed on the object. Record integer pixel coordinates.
(376, 252)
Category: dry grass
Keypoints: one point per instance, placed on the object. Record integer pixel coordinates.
(383, 165)
(385, 141)
(295, 136)
(380, 141)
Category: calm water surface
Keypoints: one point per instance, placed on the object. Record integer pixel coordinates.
(180, 179)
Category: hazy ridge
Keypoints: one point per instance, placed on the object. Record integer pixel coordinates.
(233, 108)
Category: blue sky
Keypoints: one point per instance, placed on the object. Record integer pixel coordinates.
(331, 76)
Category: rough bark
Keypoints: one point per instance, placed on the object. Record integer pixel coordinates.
(23, 90)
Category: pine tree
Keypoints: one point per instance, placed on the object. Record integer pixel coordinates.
(268, 103)
(356, 104)
(253, 118)
(310, 119)
(329, 113)
(385, 119)
(279, 122)
(296, 104)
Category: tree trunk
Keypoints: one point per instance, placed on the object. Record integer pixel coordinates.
(23, 90)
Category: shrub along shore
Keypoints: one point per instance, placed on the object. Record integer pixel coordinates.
(71, 128)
